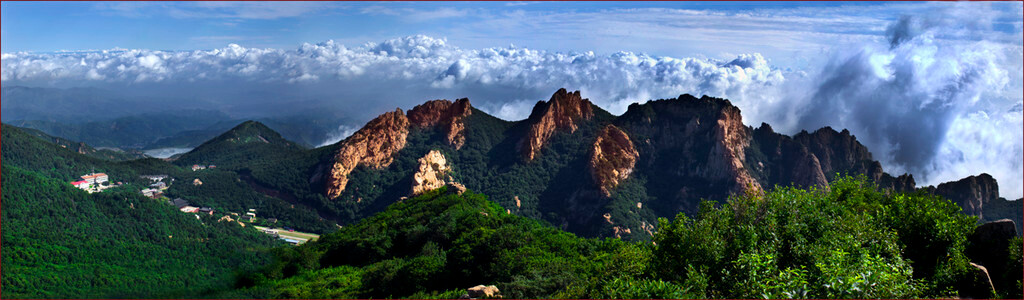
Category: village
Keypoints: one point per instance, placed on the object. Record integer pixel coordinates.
(158, 186)
(94, 182)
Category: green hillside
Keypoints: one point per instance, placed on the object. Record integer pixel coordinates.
(849, 242)
(60, 242)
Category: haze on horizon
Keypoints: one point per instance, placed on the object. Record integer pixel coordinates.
(934, 89)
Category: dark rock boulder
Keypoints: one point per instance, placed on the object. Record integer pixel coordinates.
(989, 247)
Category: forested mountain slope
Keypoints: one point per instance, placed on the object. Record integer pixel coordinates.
(574, 165)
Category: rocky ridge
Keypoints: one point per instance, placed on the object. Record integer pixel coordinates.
(374, 146)
(561, 112)
(682, 150)
(446, 114)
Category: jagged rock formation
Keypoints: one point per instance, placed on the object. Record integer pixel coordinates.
(970, 193)
(374, 146)
(679, 151)
(561, 112)
(612, 159)
(446, 114)
(431, 173)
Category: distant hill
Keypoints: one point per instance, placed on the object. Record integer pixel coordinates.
(83, 148)
(239, 147)
(134, 131)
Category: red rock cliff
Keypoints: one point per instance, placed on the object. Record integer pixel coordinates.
(727, 155)
(374, 145)
(612, 158)
(446, 114)
(562, 112)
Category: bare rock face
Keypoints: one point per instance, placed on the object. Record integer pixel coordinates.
(446, 114)
(807, 171)
(728, 154)
(612, 159)
(970, 193)
(431, 173)
(562, 112)
(374, 146)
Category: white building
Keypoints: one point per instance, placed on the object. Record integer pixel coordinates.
(95, 178)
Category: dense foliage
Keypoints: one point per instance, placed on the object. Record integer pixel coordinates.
(222, 190)
(851, 241)
(60, 242)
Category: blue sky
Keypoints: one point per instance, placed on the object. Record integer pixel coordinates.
(932, 88)
(552, 26)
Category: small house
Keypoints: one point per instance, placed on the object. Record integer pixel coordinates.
(179, 203)
(159, 185)
(206, 210)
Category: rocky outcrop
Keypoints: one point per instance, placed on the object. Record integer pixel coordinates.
(482, 291)
(446, 114)
(989, 246)
(562, 112)
(806, 171)
(903, 183)
(979, 286)
(430, 175)
(839, 152)
(373, 146)
(612, 159)
(729, 151)
(456, 188)
(970, 193)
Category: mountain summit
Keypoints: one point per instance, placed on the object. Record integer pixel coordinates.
(570, 163)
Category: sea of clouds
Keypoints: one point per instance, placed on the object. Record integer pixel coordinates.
(936, 107)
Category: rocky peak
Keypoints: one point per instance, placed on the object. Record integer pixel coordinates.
(971, 193)
(446, 114)
(562, 112)
(612, 158)
(729, 152)
(839, 152)
(374, 146)
(430, 175)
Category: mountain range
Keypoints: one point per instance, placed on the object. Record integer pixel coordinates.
(571, 163)
(562, 204)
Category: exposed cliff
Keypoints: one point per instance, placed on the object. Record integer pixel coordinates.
(561, 112)
(612, 159)
(727, 157)
(970, 193)
(446, 114)
(433, 168)
(374, 146)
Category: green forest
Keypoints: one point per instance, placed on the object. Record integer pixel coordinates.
(61, 242)
(851, 241)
